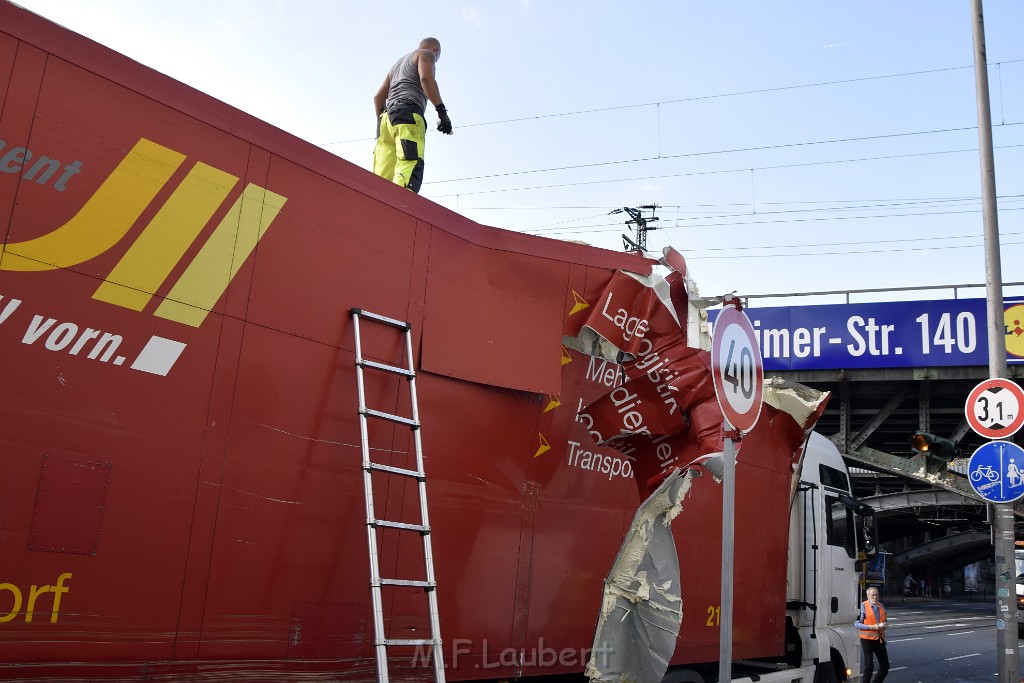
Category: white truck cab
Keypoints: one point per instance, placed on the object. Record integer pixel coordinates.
(829, 530)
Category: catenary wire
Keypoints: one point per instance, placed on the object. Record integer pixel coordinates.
(679, 222)
(618, 226)
(698, 98)
(685, 155)
(697, 257)
(718, 172)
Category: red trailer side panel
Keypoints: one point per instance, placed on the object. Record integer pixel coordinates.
(182, 493)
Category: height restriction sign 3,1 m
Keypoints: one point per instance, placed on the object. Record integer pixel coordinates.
(737, 368)
(993, 408)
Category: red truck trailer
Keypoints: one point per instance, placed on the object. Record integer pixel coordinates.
(180, 430)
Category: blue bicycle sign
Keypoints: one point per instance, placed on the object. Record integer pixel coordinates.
(996, 471)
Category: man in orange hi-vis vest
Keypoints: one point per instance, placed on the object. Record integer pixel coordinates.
(871, 623)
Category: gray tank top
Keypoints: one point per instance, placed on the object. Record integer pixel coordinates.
(405, 84)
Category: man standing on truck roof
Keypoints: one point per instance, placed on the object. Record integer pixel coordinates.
(871, 624)
(399, 106)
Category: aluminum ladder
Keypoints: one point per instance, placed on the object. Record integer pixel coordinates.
(381, 641)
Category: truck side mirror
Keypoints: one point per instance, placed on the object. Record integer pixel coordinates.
(866, 530)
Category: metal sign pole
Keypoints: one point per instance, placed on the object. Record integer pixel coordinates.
(738, 373)
(1007, 652)
(728, 517)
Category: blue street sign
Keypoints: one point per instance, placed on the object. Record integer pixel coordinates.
(885, 334)
(996, 471)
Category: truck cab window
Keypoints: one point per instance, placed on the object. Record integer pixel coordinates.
(833, 478)
(839, 525)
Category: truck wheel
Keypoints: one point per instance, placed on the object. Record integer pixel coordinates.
(825, 672)
(682, 676)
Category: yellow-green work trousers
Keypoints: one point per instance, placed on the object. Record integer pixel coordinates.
(398, 155)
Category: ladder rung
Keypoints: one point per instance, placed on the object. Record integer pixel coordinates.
(400, 525)
(409, 641)
(369, 412)
(380, 318)
(397, 470)
(386, 368)
(406, 582)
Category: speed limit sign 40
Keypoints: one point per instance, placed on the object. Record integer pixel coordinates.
(737, 368)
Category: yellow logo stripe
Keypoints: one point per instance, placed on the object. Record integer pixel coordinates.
(150, 259)
(206, 278)
(104, 219)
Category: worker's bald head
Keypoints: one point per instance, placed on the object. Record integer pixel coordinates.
(430, 44)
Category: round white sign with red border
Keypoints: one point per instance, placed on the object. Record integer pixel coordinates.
(993, 408)
(737, 368)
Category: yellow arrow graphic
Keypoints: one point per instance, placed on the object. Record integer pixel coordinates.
(552, 404)
(544, 445)
(566, 358)
(581, 303)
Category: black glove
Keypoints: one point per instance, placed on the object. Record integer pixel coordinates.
(444, 124)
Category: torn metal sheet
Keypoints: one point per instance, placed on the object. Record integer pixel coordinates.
(642, 608)
(684, 289)
(615, 328)
(661, 410)
(799, 401)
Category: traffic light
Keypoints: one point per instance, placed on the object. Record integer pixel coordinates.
(937, 451)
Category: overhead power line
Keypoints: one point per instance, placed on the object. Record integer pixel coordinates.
(891, 201)
(844, 252)
(760, 148)
(742, 224)
(747, 169)
(699, 98)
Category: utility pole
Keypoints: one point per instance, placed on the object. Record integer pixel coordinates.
(1007, 651)
(638, 222)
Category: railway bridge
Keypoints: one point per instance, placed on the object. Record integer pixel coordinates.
(895, 368)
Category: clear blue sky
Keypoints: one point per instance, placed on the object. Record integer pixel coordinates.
(792, 146)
